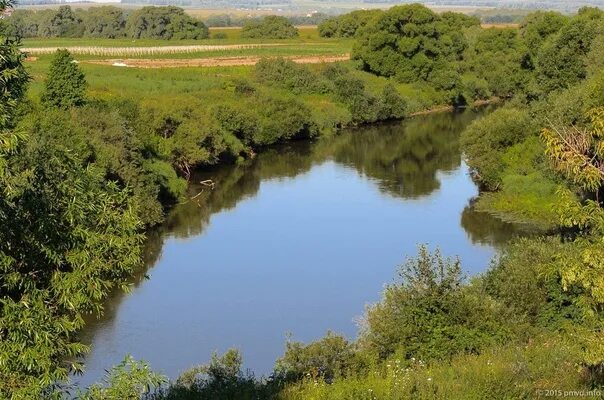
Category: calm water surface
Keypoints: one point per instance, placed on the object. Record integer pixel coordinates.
(297, 241)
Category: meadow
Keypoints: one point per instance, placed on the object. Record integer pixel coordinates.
(206, 82)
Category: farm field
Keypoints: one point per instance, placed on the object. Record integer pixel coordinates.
(309, 44)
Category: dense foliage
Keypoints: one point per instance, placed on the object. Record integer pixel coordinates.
(164, 23)
(105, 22)
(270, 27)
(411, 43)
(66, 83)
(346, 25)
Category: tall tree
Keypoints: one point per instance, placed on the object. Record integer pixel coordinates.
(66, 83)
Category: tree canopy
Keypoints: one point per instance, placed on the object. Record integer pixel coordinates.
(66, 84)
(164, 23)
(410, 42)
(270, 27)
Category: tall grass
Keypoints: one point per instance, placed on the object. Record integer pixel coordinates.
(521, 371)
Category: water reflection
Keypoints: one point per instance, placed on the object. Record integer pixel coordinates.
(402, 159)
(296, 240)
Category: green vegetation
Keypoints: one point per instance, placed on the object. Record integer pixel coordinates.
(105, 22)
(271, 27)
(411, 43)
(84, 168)
(346, 25)
(66, 84)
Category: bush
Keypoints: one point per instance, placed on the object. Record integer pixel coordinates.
(282, 119)
(486, 140)
(392, 106)
(515, 371)
(238, 120)
(221, 378)
(332, 356)
(290, 75)
(430, 315)
(271, 27)
(524, 281)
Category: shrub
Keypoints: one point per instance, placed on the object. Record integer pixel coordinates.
(392, 105)
(288, 74)
(330, 357)
(237, 120)
(281, 119)
(430, 315)
(486, 140)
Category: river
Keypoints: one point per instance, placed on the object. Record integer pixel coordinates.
(295, 242)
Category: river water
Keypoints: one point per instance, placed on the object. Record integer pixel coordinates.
(295, 242)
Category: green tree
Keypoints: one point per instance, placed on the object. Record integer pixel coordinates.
(66, 84)
(128, 380)
(578, 152)
(346, 25)
(409, 42)
(164, 23)
(270, 27)
(537, 27)
(67, 238)
(104, 22)
(561, 61)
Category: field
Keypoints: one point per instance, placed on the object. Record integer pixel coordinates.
(165, 72)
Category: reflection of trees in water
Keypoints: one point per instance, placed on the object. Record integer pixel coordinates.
(405, 158)
(485, 228)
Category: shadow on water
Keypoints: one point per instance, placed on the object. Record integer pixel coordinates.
(406, 162)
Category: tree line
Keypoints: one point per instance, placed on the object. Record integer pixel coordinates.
(105, 22)
(151, 22)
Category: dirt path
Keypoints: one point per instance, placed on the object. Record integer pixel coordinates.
(211, 62)
(145, 50)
